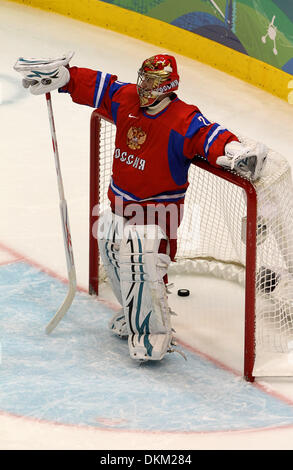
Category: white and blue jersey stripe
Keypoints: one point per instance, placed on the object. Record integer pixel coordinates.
(101, 87)
(167, 196)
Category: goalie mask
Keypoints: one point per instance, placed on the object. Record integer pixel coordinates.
(157, 77)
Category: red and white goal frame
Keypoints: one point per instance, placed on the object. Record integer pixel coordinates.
(232, 229)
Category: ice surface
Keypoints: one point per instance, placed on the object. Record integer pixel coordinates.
(31, 229)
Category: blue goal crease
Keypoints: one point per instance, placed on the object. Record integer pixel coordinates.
(82, 374)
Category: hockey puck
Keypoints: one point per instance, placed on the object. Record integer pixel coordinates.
(183, 292)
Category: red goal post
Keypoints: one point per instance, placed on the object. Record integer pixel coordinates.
(202, 243)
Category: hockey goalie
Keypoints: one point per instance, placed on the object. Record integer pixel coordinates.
(157, 136)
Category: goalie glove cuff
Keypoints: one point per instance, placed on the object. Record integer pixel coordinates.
(27, 65)
(246, 160)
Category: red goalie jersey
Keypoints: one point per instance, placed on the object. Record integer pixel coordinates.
(153, 152)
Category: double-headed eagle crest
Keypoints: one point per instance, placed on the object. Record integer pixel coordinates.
(135, 137)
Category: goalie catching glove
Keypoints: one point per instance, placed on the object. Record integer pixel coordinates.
(246, 160)
(44, 75)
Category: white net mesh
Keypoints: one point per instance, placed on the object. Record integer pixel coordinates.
(212, 241)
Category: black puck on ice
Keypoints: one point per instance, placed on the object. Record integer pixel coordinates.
(183, 292)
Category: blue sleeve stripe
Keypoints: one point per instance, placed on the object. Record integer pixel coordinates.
(178, 163)
(114, 110)
(198, 121)
(212, 135)
(100, 88)
(115, 87)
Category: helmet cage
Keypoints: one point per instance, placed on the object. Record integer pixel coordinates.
(156, 77)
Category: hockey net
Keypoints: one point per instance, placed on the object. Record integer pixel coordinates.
(233, 230)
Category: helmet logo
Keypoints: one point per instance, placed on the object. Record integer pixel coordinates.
(135, 138)
(157, 77)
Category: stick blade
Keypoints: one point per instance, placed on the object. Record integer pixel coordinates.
(64, 307)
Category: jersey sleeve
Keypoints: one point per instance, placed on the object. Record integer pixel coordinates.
(92, 88)
(206, 139)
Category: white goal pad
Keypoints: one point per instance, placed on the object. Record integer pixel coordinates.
(110, 235)
(144, 294)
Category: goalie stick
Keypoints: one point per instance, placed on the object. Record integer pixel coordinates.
(65, 226)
